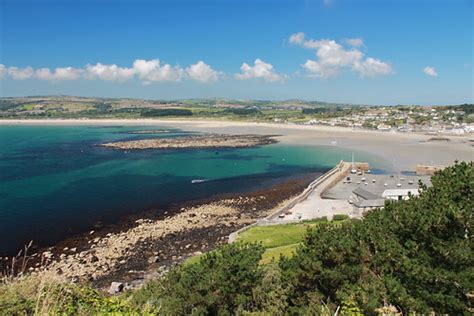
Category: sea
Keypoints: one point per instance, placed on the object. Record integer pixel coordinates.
(55, 181)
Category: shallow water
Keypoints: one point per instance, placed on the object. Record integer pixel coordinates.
(55, 181)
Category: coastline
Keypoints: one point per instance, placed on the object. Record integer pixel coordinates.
(145, 244)
(122, 250)
(403, 151)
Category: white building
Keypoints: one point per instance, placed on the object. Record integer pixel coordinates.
(399, 194)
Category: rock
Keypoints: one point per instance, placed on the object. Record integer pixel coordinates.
(115, 287)
(73, 249)
(93, 259)
(65, 249)
(91, 232)
(154, 259)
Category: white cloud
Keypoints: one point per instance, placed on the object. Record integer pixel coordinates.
(202, 72)
(151, 70)
(3, 71)
(59, 74)
(297, 38)
(260, 70)
(430, 71)
(20, 73)
(372, 67)
(318, 70)
(333, 57)
(355, 42)
(109, 72)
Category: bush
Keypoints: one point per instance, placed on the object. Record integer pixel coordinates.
(314, 110)
(49, 297)
(243, 111)
(166, 112)
(340, 217)
(221, 281)
(414, 254)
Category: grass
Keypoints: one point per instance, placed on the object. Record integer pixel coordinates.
(274, 254)
(275, 235)
(277, 239)
(278, 235)
(282, 239)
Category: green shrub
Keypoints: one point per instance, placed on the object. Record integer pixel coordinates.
(35, 296)
(166, 112)
(221, 281)
(340, 217)
(414, 254)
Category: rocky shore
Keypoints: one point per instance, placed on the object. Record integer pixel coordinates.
(195, 141)
(148, 246)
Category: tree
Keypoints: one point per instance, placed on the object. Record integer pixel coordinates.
(415, 254)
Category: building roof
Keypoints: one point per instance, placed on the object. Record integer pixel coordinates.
(365, 194)
(370, 203)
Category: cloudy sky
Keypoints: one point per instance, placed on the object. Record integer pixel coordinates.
(355, 51)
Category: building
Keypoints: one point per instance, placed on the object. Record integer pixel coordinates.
(369, 195)
(399, 194)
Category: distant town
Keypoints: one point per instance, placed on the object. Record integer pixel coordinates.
(436, 120)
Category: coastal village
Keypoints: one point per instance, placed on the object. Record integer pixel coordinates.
(430, 120)
(435, 120)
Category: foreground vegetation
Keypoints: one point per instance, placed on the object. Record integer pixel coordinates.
(412, 256)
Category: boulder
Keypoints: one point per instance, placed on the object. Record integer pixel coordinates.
(116, 287)
(154, 259)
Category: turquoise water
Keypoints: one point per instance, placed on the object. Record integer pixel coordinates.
(55, 181)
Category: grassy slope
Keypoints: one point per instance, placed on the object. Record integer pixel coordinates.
(278, 240)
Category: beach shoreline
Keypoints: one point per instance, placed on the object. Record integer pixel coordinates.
(403, 151)
(105, 255)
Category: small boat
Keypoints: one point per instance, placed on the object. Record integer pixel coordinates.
(399, 185)
(359, 173)
(410, 182)
(195, 181)
(368, 171)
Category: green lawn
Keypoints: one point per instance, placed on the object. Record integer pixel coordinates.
(277, 239)
(273, 254)
(275, 235)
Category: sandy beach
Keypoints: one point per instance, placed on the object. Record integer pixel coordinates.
(401, 151)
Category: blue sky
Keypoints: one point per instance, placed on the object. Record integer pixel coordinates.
(372, 52)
